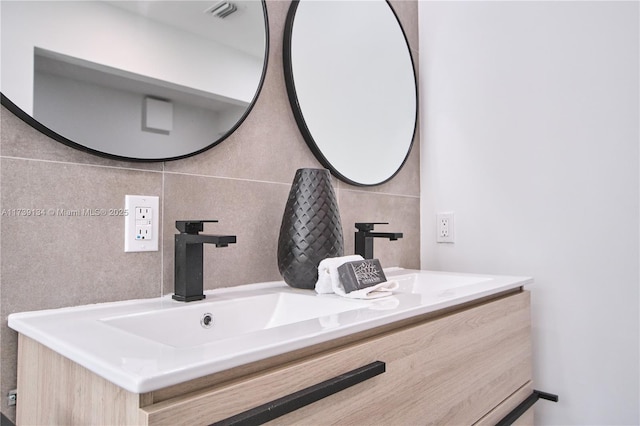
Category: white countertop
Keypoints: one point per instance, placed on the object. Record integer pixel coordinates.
(96, 336)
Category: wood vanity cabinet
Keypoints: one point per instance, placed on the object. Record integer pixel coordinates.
(468, 365)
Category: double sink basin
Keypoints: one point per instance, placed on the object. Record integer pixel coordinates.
(144, 345)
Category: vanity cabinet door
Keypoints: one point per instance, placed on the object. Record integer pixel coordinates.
(453, 369)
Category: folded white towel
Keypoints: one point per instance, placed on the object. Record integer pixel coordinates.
(385, 304)
(328, 277)
(329, 280)
(374, 292)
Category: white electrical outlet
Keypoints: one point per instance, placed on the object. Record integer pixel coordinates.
(141, 223)
(444, 228)
(144, 223)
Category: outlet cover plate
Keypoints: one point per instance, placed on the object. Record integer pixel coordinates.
(140, 236)
(444, 228)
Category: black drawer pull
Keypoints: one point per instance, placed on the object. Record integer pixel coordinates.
(281, 406)
(525, 405)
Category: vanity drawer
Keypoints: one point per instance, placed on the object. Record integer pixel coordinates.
(498, 413)
(453, 369)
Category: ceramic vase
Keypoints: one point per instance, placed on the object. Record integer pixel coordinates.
(311, 229)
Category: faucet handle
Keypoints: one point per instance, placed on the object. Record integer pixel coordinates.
(368, 226)
(191, 226)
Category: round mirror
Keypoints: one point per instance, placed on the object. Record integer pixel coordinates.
(352, 86)
(134, 80)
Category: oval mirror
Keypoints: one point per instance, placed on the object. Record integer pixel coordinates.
(134, 80)
(351, 83)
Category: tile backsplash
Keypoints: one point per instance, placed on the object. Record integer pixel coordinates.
(52, 261)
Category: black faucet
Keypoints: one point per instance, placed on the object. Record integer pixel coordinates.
(188, 258)
(364, 238)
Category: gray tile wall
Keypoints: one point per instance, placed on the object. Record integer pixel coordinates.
(55, 261)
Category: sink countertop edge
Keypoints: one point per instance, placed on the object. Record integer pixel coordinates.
(142, 383)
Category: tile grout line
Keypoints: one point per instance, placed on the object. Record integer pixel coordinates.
(227, 178)
(165, 172)
(381, 193)
(1, 311)
(80, 164)
(161, 246)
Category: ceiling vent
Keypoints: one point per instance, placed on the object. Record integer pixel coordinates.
(221, 10)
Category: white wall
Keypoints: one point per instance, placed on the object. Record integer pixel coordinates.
(529, 121)
(77, 110)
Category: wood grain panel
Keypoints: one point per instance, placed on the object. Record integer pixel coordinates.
(452, 370)
(53, 390)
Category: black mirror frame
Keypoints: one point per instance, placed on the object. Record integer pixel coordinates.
(297, 111)
(17, 111)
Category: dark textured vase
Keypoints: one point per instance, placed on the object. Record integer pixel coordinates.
(311, 229)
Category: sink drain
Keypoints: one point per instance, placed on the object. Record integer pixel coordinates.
(207, 320)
